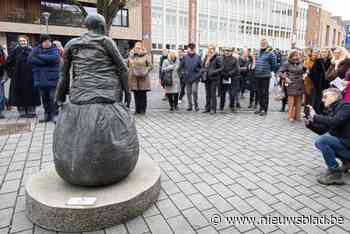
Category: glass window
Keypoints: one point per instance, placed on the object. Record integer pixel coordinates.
(122, 18)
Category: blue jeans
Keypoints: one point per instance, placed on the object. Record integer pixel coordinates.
(48, 98)
(332, 148)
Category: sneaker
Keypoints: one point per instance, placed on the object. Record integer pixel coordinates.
(189, 109)
(255, 106)
(331, 178)
(250, 106)
(257, 112)
(54, 119)
(206, 111)
(238, 106)
(171, 108)
(345, 167)
(263, 113)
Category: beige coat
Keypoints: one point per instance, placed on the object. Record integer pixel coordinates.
(139, 83)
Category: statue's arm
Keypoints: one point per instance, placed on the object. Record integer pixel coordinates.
(121, 67)
(63, 83)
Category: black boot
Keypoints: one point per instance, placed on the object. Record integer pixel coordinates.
(257, 112)
(346, 166)
(283, 108)
(332, 177)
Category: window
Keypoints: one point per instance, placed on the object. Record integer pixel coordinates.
(270, 32)
(154, 46)
(256, 31)
(122, 18)
(327, 35)
(249, 29)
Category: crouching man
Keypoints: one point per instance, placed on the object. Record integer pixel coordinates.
(334, 128)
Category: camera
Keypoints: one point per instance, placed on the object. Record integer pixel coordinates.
(307, 112)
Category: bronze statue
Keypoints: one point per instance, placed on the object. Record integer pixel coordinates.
(95, 140)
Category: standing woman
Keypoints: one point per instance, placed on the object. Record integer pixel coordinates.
(171, 79)
(318, 76)
(309, 62)
(23, 94)
(139, 81)
(292, 73)
(253, 96)
(212, 68)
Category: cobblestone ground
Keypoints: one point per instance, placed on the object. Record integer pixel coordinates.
(231, 165)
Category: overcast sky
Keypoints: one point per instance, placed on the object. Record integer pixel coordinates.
(337, 7)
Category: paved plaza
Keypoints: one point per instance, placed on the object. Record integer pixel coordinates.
(226, 165)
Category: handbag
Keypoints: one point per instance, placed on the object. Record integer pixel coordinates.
(139, 71)
(168, 78)
(278, 93)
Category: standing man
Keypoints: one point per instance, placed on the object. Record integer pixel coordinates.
(229, 79)
(265, 64)
(45, 59)
(191, 69)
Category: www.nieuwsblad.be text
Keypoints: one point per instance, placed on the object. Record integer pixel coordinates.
(217, 219)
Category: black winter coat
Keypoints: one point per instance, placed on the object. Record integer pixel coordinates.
(318, 77)
(214, 69)
(231, 67)
(22, 90)
(336, 122)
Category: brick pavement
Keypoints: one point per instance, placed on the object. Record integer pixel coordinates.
(228, 164)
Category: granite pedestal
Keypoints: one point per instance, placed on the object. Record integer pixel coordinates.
(47, 196)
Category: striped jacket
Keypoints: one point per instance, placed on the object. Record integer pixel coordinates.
(266, 63)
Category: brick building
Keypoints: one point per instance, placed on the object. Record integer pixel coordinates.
(323, 29)
(26, 17)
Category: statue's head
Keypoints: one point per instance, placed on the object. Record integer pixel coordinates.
(96, 23)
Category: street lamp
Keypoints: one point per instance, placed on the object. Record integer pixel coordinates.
(46, 16)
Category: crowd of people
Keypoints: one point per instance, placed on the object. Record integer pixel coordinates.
(302, 77)
(34, 73)
(314, 84)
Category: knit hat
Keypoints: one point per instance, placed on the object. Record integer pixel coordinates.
(44, 37)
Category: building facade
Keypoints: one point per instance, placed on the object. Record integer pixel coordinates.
(323, 29)
(26, 17)
(347, 34)
(227, 23)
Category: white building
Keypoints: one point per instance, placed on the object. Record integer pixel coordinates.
(227, 23)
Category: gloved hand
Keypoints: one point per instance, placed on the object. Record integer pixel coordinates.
(127, 98)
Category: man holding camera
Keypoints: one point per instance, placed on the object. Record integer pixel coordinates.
(334, 128)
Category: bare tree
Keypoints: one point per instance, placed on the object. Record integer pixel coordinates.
(108, 8)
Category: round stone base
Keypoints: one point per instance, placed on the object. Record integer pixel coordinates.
(47, 196)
